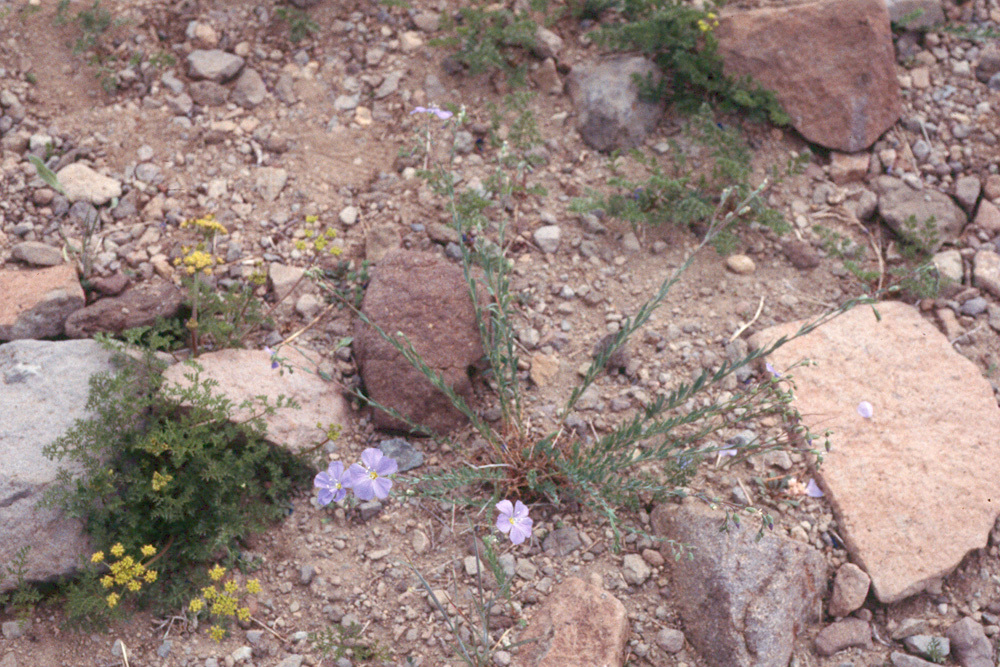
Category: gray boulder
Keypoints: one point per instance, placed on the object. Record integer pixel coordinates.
(743, 602)
(43, 391)
(213, 65)
(611, 113)
(908, 212)
(971, 645)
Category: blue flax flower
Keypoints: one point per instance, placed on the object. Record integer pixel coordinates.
(514, 520)
(370, 478)
(332, 484)
(443, 114)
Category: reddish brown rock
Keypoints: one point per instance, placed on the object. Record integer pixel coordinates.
(844, 634)
(245, 374)
(426, 299)
(915, 486)
(848, 168)
(35, 304)
(579, 624)
(830, 64)
(112, 285)
(140, 306)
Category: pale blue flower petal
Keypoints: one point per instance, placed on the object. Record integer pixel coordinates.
(813, 490)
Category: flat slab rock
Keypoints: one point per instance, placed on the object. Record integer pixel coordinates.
(245, 374)
(43, 391)
(916, 486)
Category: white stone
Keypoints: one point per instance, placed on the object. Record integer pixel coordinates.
(949, 265)
(986, 271)
(82, 183)
(348, 215)
(740, 264)
(547, 238)
(410, 41)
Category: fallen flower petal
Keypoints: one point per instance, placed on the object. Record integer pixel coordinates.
(443, 114)
(813, 490)
(865, 409)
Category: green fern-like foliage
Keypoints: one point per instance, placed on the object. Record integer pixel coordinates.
(679, 38)
(489, 38)
(184, 479)
(678, 191)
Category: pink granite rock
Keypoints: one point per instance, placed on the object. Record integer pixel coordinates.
(579, 624)
(35, 304)
(244, 374)
(917, 485)
(830, 63)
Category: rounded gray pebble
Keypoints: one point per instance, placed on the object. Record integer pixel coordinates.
(974, 306)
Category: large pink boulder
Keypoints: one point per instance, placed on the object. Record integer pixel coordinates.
(915, 486)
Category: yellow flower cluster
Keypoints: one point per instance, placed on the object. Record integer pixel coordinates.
(160, 481)
(318, 242)
(207, 225)
(197, 260)
(711, 23)
(125, 571)
(223, 603)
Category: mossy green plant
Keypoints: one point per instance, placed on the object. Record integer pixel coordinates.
(169, 466)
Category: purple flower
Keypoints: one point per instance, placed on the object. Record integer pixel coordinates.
(723, 453)
(865, 409)
(271, 353)
(369, 479)
(770, 369)
(513, 519)
(813, 490)
(443, 114)
(332, 484)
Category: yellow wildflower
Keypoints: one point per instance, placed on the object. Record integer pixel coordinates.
(117, 550)
(159, 482)
(134, 585)
(97, 557)
(198, 260)
(113, 599)
(217, 572)
(107, 581)
(217, 633)
(312, 218)
(243, 613)
(148, 550)
(196, 605)
(209, 592)
(150, 576)
(253, 586)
